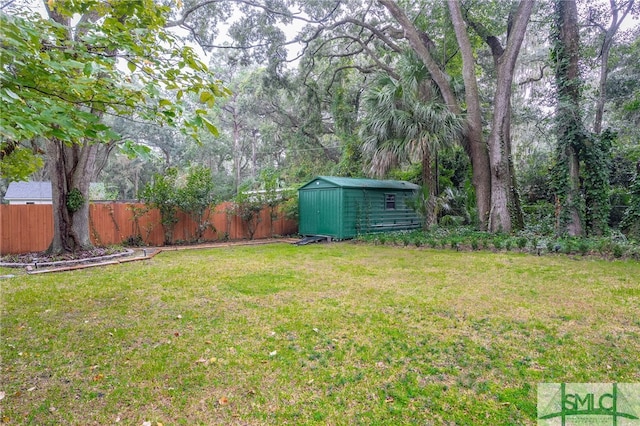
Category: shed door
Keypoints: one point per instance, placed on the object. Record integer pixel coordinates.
(329, 212)
(320, 212)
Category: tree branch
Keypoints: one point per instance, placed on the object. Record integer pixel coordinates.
(415, 41)
(494, 43)
(534, 79)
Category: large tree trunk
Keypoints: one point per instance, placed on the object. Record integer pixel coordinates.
(570, 132)
(602, 84)
(473, 141)
(609, 34)
(71, 168)
(499, 141)
(477, 147)
(517, 215)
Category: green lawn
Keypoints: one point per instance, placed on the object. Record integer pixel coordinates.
(325, 334)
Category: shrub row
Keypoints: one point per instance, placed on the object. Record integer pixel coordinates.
(463, 239)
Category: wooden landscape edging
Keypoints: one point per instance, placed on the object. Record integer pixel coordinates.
(157, 251)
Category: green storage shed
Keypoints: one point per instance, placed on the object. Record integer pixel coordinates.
(342, 208)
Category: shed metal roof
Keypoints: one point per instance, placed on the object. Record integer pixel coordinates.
(344, 182)
(28, 191)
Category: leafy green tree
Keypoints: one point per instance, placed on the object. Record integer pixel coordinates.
(61, 77)
(402, 124)
(197, 198)
(162, 194)
(273, 194)
(17, 161)
(248, 205)
(492, 172)
(605, 24)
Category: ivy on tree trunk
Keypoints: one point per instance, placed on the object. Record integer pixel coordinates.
(70, 167)
(569, 129)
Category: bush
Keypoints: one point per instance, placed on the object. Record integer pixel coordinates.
(584, 247)
(616, 245)
(567, 247)
(522, 242)
(618, 250)
(134, 241)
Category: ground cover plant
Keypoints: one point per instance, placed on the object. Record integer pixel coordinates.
(612, 246)
(337, 333)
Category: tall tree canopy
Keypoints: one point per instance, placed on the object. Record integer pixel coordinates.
(63, 74)
(314, 82)
(370, 36)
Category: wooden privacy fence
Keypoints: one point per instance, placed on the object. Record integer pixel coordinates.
(28, 228)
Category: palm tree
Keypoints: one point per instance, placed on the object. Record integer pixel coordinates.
(404, 123)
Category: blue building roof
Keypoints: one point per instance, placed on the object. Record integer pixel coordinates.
(40, 191)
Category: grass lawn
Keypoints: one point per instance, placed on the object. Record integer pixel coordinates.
(326, 334)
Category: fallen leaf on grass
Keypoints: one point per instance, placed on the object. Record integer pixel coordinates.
(98, 377)
(207, 361)
(223, 401)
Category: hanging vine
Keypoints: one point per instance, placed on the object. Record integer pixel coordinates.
(596, 156)
(631, 222)
(569, 128)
